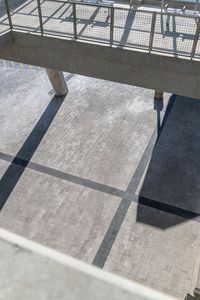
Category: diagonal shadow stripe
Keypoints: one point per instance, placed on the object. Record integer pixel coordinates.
(15, 170)
(115, 225)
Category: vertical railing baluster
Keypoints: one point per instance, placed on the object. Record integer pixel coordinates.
(111, 25)
(153, 23)
(195, 41)
(8, 13)
(74, 21)
(40, 16)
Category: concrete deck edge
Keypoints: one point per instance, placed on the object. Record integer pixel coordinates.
(6, 39)
(115, 64)
(131, 288)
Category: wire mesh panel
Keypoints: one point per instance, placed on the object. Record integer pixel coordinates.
(93, 23)
(174, 34)
(4, 24)
(57, 17)
(24, 14)
(132, 28)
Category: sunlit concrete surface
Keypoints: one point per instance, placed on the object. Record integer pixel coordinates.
(84, 174)
(132, 28)
(38, 272)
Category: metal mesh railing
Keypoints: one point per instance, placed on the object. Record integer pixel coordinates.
(24, 14)
(158, 31)
(57, 17)
(132, 28)
(4, 23)
(93, 23)
(197, 52)
(174, 34)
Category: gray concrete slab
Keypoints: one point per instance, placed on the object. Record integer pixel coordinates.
(73, 171)
(101, 138)
(59, 214)
(167, 260)
(37, 272)
(22, 103)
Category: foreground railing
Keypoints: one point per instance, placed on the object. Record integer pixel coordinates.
(153, 31)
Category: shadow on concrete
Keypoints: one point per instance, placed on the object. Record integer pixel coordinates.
(170, 192)
(190, 297)
(13, 4)
(20, 162)
(128, 26)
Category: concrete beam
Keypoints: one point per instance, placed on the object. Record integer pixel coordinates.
(6, 39)
(158, 72)
(58, 82)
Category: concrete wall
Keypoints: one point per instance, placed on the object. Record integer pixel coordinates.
(164, 73)
(6, 40)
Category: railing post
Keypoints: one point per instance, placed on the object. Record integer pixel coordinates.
(196, 6)
(74, 21)
(111, 25)
(40, 16)
(196, 37)
(153, 22)
(8, 13)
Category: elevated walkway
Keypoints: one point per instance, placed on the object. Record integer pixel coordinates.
(148, 48)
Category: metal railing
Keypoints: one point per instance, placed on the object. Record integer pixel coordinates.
(153, 31)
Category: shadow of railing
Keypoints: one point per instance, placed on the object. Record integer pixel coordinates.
(14, 4)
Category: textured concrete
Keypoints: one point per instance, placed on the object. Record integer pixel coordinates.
(75, 175)
(54, 213)
(36, 272)
(166, 260)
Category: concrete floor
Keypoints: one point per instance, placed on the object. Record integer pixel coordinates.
(82, 174)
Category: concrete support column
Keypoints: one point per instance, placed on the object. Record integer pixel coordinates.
(58, 82)
(158, 106)
(158, 100)
(158, 95)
